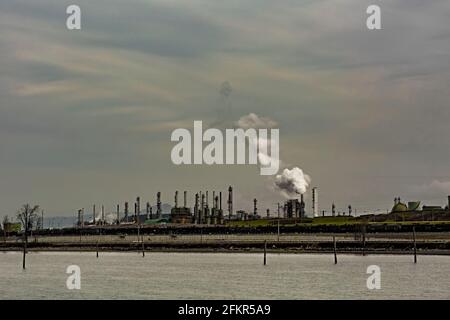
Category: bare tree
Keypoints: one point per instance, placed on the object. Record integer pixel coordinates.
(27, 215)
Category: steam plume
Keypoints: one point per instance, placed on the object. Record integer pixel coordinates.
(292, 183)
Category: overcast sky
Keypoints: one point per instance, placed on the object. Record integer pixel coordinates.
(86, 116)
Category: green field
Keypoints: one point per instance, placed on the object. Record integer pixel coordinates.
(327, 221)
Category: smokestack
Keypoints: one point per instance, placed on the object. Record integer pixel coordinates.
(148, 210)
(138, 209)
(126, 211)
(176, 199)
(202, 208)
(255, 209)
(315, 202)
(220, 200)
(158, 205)
(118, 214)
(302, 207)
(214, 200)
(230, 202)
(185, 199)
(103, 214)
(268, 213)
(333, 210)
(448, 205)
(207, 200)
(93, 213)
(196, 209)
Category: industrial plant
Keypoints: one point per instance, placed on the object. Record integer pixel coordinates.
(207, 209)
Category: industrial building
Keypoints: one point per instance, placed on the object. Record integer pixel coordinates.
(414, 207)
(294, 208)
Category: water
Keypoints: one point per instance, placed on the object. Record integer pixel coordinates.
(222, 276)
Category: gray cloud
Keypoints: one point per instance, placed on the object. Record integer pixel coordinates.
(358, 109)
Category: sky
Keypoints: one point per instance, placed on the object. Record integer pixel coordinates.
(86, 115)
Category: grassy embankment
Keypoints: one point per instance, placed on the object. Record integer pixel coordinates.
(324, 221)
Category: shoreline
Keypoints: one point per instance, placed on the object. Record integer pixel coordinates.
(367, 253)
(387, 250)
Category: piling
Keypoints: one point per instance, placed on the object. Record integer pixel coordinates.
(143, 247)
(278, 231)
(265, 251)
(334, 249)
(415, 245)
(97, 248)
(364, 240)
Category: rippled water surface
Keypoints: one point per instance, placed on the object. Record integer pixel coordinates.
(222, 276)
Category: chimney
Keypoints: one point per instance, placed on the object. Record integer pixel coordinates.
(148, 210)
(315, 202)
(126, 211)
(176, 199)
(196, 209)
(93, 213)
(230, 202)
(255, 209)
(448, 208)
(220, 200)
(202, 206)
(158, 205)
(138, 209)
(118, 214)
(185, 199)
(268, 213)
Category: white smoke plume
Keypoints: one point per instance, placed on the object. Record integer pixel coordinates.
(254, 121)
(292, 182)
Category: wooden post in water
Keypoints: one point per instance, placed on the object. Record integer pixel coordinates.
(25, 240)
(278, 231)
(415, 245)
(265, 249)
(97, 248)
(278, 222)
(24, 252)
(334, 249)
(143, 247)
(138, 232)
(364, 240)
